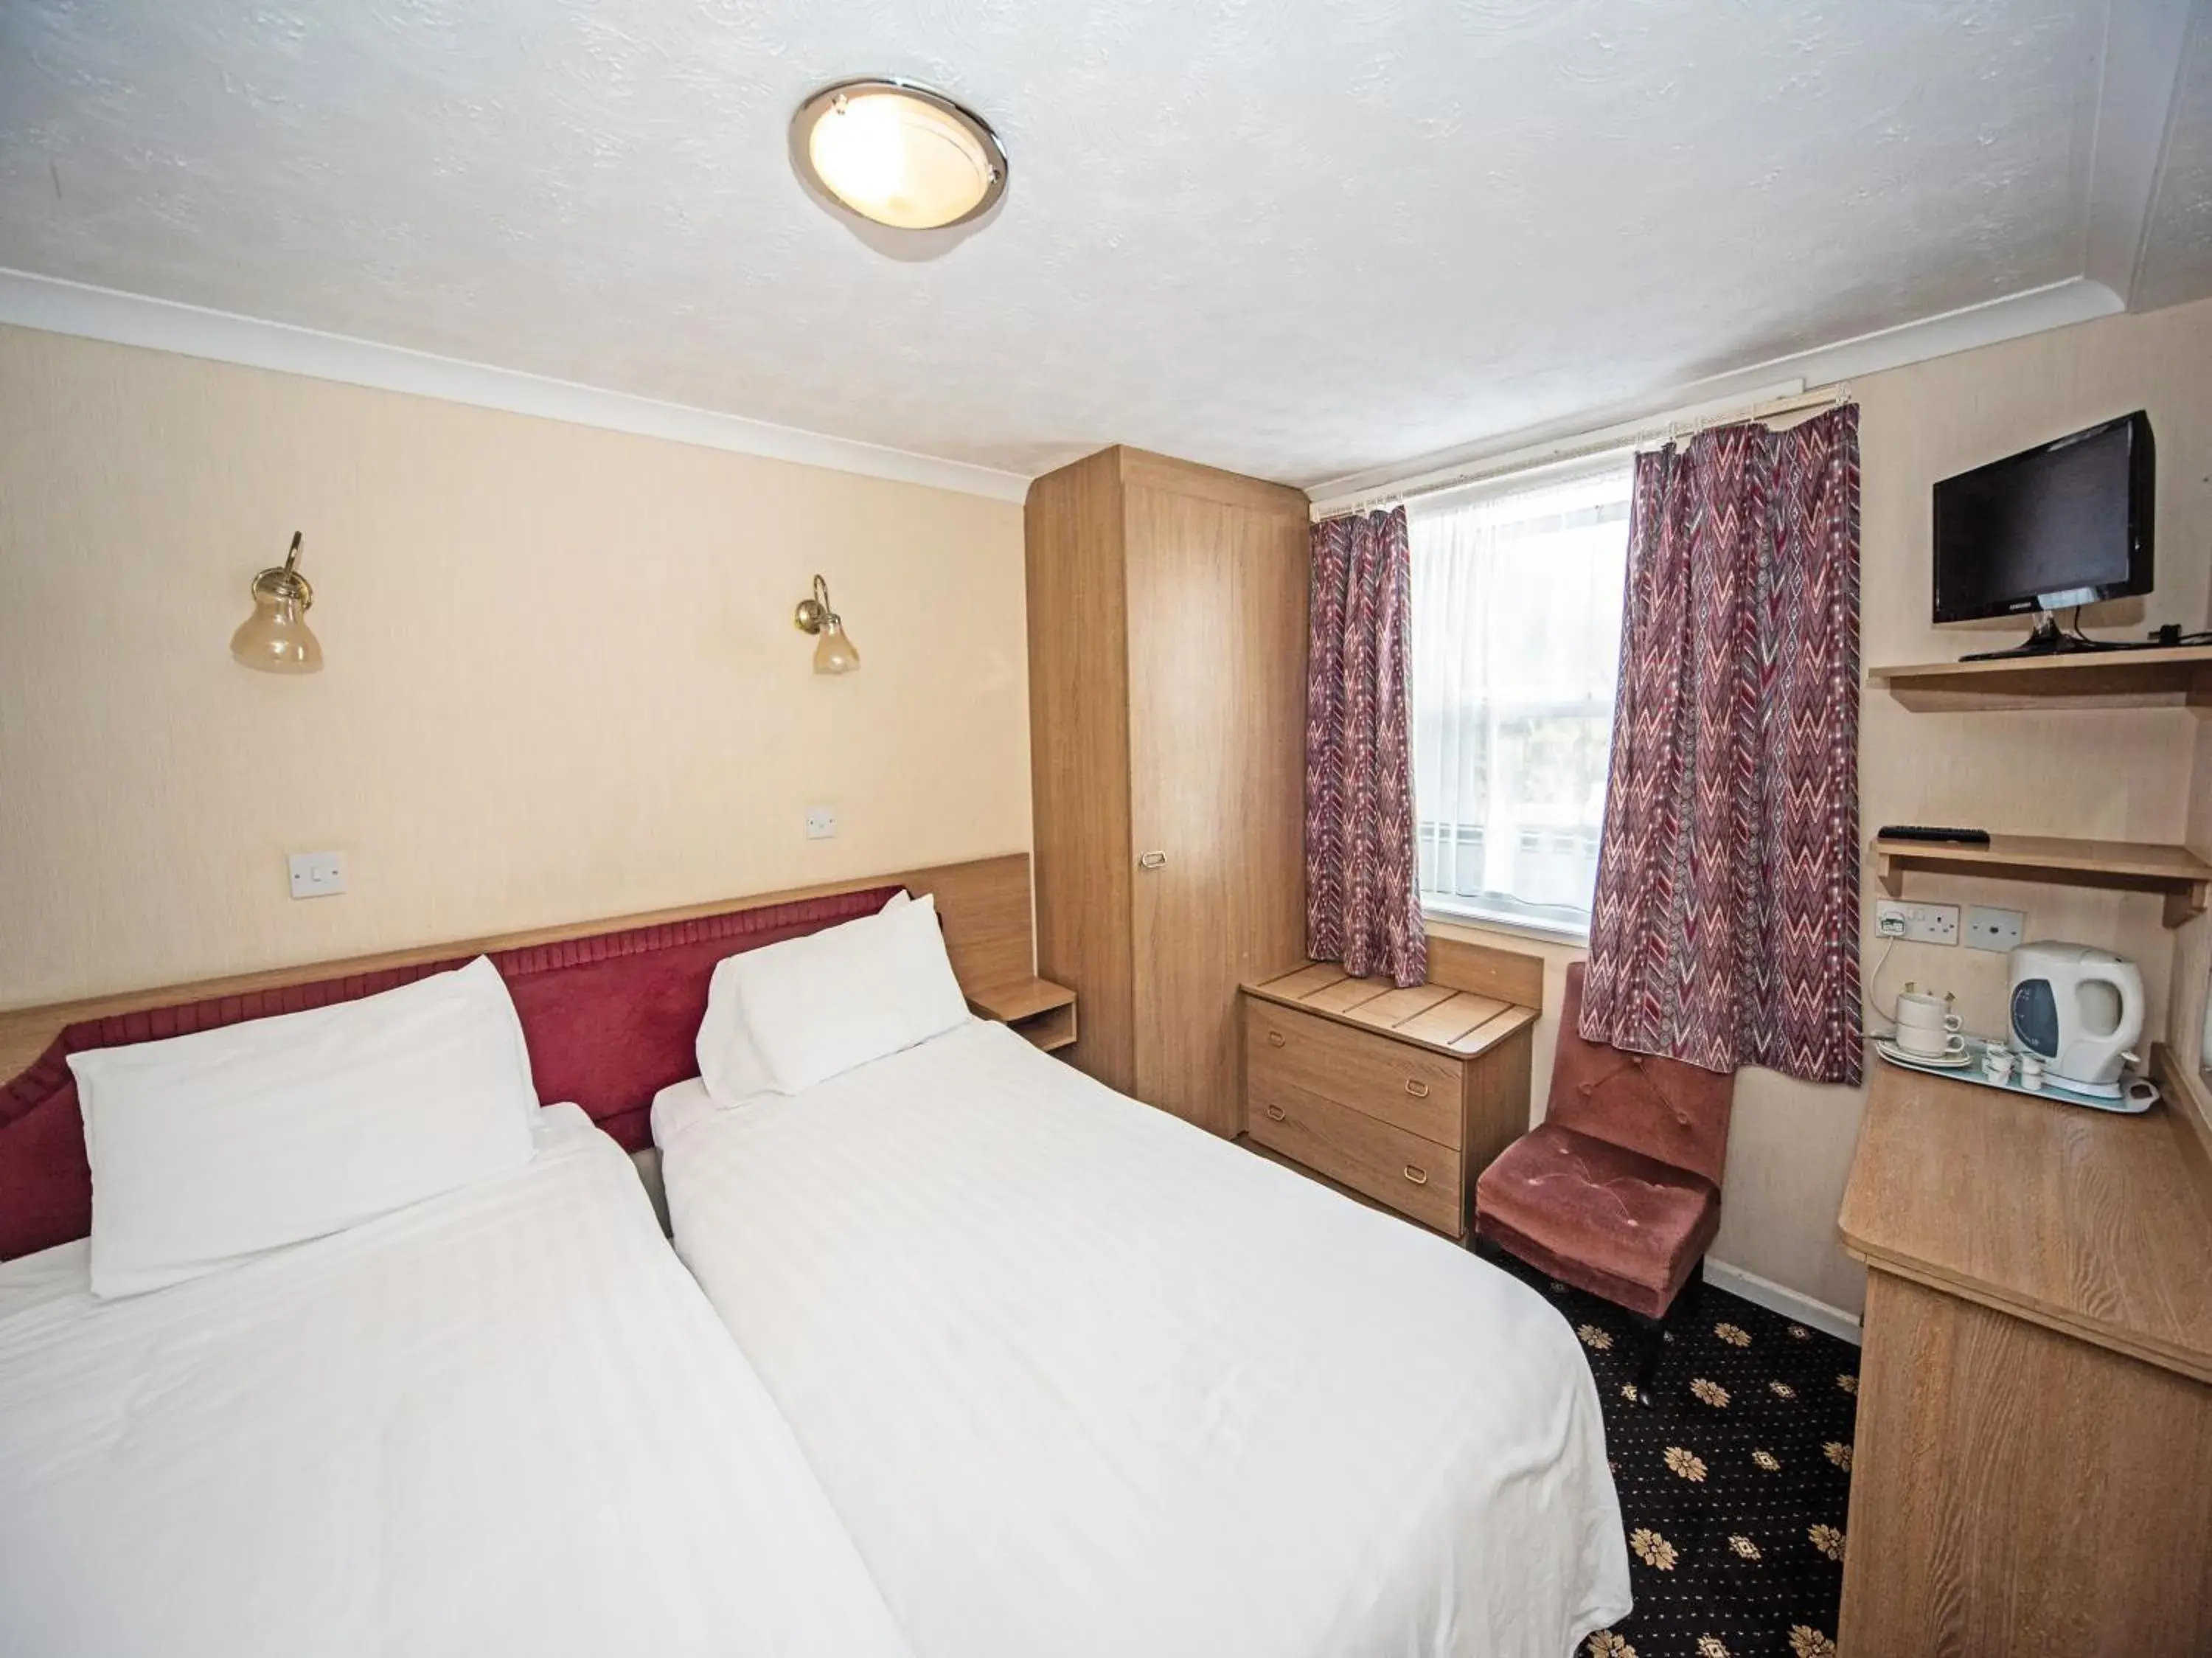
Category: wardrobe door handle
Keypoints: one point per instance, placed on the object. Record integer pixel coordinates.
(1416, 1087)
(1275, 1038)
(1417, 1176)
(1275, 1113)
(1151, 860)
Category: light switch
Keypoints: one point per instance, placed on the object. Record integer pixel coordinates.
(821, 822)
(318, 874)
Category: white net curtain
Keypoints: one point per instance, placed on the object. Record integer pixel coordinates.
(1516, 645)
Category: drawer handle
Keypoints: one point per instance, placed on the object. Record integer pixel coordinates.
(1275, 1038)
(1417, 1176)
(1151, 860)
(1416, 1087)
(1275, 1113)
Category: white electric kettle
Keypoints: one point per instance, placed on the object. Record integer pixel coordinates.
(2082, 1008)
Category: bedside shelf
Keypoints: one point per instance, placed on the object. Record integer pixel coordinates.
(2128, 866)
(1036, 1009)
(2177, 677)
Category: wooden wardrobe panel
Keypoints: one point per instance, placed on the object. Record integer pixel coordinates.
(1142, 469)
(1216, 619)
(1274, 579)
(1079, 755)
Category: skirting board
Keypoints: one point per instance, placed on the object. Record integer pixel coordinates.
(1764, 1292)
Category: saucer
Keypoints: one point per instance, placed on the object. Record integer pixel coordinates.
(1904, 1056)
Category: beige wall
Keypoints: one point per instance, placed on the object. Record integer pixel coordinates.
(561, 680)
(2120, 776)
(2191, 984)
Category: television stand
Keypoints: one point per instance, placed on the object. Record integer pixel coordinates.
(2048, 640)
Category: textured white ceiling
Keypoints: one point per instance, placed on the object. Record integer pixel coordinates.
(2177, 261)
(1296, 239)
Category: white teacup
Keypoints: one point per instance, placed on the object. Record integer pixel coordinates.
(1930, 1042)
(1922, 1011)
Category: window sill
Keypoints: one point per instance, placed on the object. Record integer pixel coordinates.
(1566, 934)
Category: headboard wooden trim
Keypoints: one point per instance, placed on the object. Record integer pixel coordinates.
(984, 904)
(1509, 975)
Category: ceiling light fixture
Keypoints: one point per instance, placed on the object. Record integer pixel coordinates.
(899, 154)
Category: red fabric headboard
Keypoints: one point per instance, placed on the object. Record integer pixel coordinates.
(610, 1019)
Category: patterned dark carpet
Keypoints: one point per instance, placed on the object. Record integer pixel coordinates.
(1733, 1485)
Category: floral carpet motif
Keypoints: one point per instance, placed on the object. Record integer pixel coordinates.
(1733, 1484)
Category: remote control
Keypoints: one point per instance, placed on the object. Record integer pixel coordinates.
(1922, 832)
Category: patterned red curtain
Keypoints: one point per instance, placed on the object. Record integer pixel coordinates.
(1726, 926)
(1363, 901)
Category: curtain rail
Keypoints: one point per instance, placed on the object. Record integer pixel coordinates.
(1615, 440)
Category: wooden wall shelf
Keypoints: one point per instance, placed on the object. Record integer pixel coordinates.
(2178, 678)
(1036, 1009)
(2128, 866)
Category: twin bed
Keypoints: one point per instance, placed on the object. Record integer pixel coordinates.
(1004, 1363)
(498, 1421)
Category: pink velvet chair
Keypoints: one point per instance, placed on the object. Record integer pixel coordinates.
(1618, 1191)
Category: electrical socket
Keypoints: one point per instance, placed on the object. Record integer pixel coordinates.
(821, 822)
(1992, 928)
(1924, 924)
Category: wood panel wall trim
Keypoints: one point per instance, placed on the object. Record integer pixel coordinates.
(984, 902)
(1509, 975)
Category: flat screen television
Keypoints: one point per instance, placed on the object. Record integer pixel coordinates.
(2066, 524)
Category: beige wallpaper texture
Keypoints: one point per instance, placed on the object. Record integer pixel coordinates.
(2113, 775)
(561, 680)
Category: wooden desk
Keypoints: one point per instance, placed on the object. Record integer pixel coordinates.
(2033, 1461)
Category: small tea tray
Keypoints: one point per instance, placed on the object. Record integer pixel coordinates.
(2136, 1094)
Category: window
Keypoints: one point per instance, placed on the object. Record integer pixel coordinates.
(1516, 648)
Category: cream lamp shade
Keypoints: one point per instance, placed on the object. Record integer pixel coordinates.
(275, 637)
(899, 154)
(833, 649)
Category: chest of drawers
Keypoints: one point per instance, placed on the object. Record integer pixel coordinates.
(1404, 1096)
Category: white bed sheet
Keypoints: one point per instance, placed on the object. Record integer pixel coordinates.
(1082, 1378)
(503, 1420)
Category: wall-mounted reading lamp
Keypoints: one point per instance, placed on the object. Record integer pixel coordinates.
(834, 653)
(275, 638)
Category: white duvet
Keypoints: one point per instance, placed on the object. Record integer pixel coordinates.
(1081, 1379)
(503, 1420)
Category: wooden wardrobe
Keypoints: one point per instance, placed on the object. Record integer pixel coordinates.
(1167, 624)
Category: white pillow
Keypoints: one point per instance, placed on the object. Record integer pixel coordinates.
(724, 1047)
(680, 1106)
(784, 1017)
(210, 1148)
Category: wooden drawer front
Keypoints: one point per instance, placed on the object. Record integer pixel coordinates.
(1290, 1056)
(1416, 1177)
